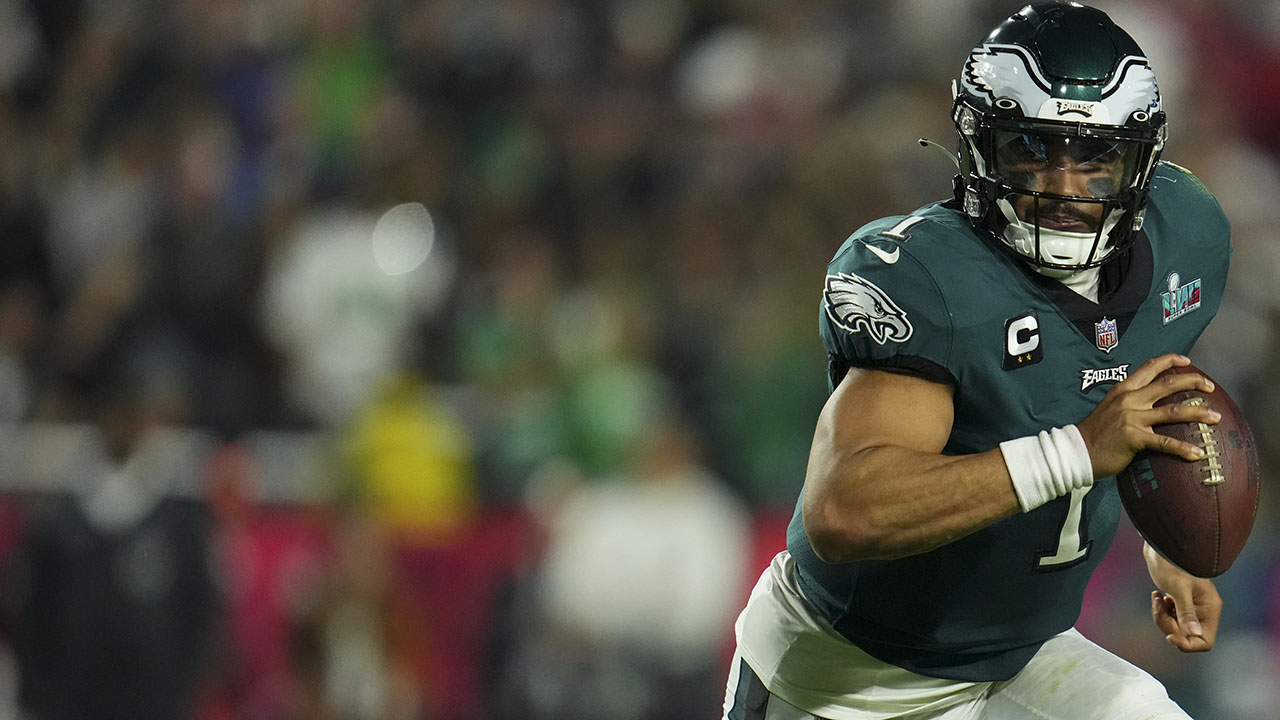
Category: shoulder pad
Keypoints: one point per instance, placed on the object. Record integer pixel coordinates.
(1168, 173)
(1187, 204)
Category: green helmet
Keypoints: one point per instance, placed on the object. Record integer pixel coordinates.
(1060, 125)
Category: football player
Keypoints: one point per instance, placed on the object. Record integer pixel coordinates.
(993, 364)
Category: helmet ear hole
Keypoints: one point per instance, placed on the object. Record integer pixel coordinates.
(1006, 104)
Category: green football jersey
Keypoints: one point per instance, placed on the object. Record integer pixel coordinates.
(927, 295)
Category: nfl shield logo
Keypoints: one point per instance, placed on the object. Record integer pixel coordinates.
(1108, 336)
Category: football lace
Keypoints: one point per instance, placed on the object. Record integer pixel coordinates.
(1208, 443)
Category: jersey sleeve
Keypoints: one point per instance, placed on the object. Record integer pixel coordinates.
(1191, 216)
(882, 309)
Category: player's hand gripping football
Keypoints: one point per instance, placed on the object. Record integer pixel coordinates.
(1120, 426)
(1185, 608)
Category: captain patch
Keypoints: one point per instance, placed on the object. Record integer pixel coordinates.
(856, 304)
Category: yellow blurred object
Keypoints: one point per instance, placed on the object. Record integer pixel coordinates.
(413, 462)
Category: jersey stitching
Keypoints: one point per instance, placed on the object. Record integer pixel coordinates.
(937, 289)
(951, 333)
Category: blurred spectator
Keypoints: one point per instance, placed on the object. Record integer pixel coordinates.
(272, 561)
(640, 573)
(339, 72)
(22, 315)
(342, 320)
(413, 462)
(412, 525)
(350, 657)
(118, 597)
(26, 286)
(504, 347)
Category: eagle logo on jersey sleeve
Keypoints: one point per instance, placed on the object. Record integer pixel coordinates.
(857, 305)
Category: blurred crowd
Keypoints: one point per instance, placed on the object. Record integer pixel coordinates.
(387, 359)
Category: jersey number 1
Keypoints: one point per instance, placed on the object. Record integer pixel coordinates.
(1072, 547)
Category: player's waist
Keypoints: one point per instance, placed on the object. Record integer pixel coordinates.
(801, 658)
(914, 618)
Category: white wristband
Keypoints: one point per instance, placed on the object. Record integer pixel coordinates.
(1048, 465)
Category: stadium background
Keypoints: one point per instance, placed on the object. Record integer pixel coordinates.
(520, 449)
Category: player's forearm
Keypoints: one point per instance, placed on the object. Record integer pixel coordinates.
(888, 501)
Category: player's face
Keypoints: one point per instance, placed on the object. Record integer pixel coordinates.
(1072, 166)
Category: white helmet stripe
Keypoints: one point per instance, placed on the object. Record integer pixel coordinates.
(997, 71)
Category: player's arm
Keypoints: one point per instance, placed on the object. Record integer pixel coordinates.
(877, 485)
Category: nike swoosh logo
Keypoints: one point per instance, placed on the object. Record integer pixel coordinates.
(888, 257)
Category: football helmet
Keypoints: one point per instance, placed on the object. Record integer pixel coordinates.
(1060, 126)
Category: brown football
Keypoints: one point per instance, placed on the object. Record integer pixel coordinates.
(1196, 514)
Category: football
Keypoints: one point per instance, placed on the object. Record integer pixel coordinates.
(1196, 514)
